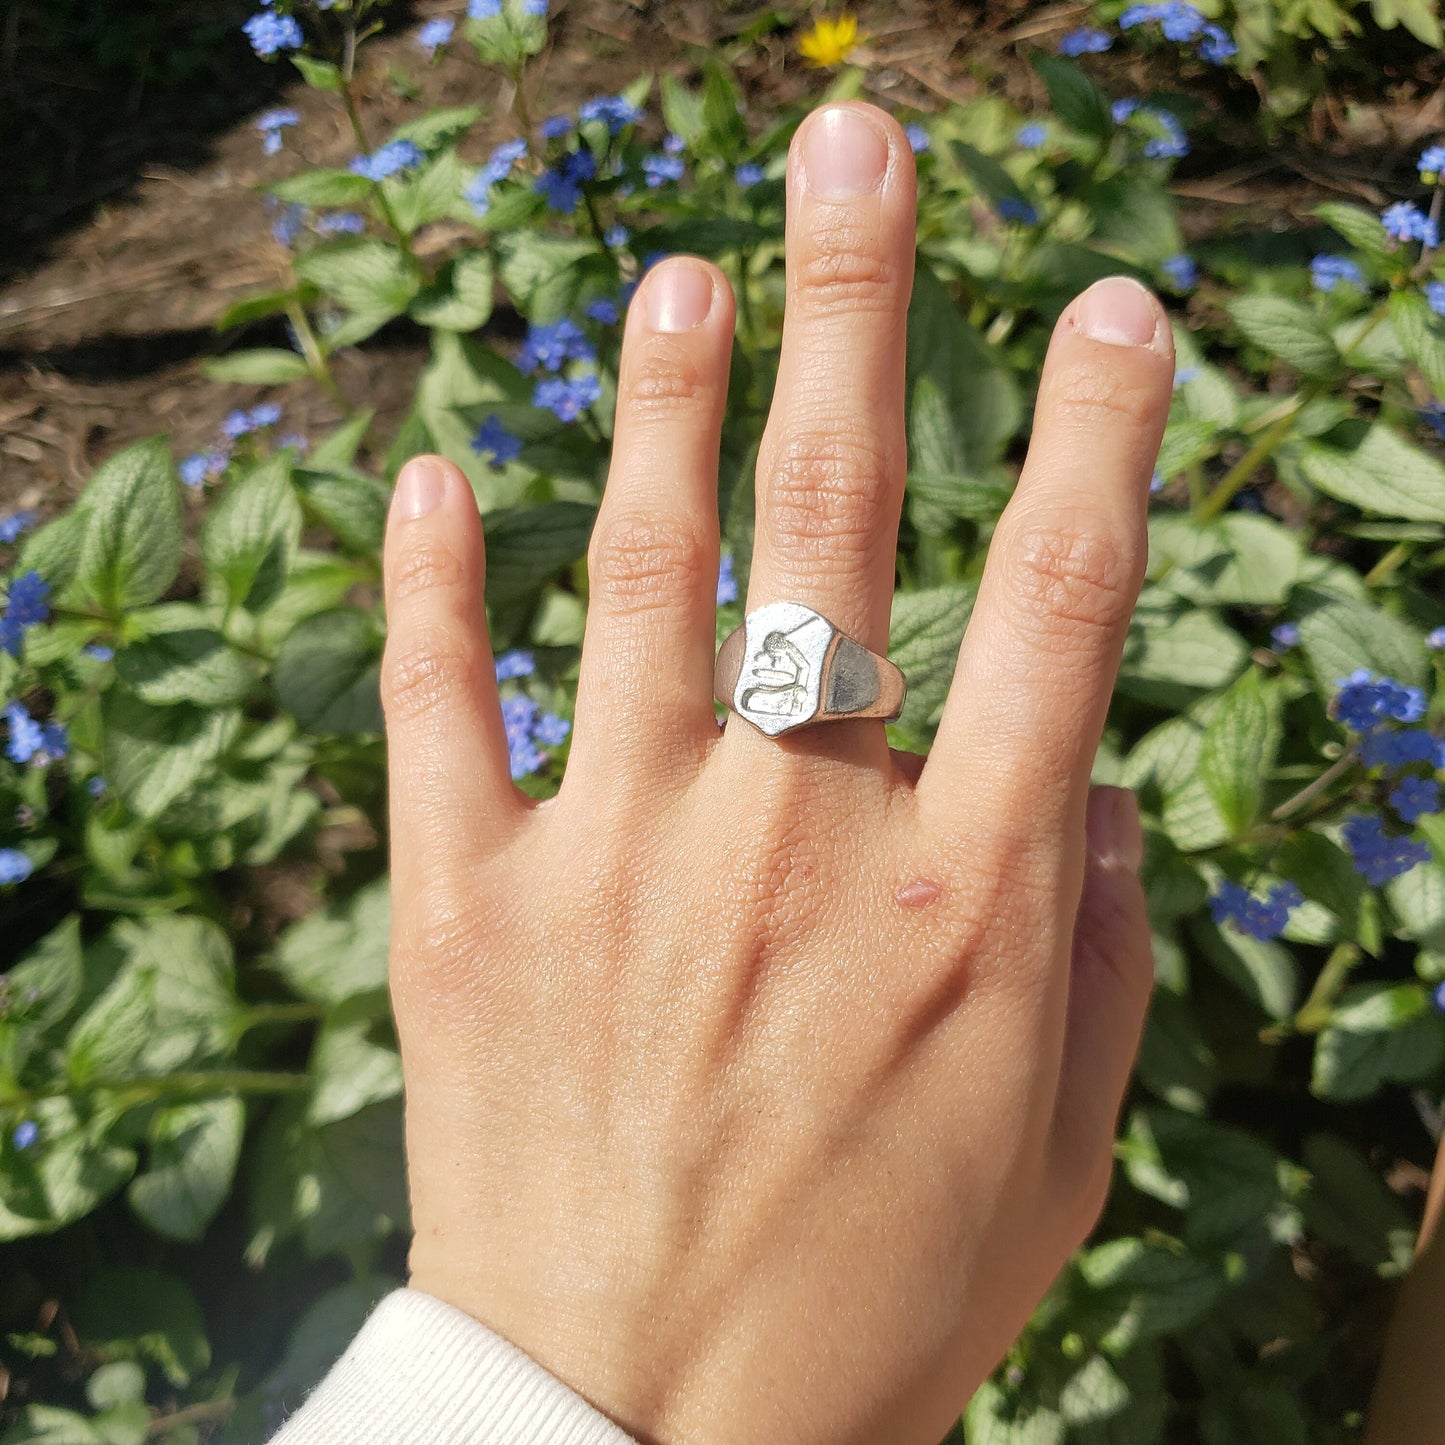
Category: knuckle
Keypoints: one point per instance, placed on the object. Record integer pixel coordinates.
(1092, 394)
(427, 566)
(828, 493)
(845, 269)
(646, 562)
(664, 379)
(1077, 574)
(423, 671)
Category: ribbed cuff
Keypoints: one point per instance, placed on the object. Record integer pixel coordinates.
(423, 1373)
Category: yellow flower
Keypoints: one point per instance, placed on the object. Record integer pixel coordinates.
(831, 42)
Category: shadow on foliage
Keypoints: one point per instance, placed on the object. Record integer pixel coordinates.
(95, 92)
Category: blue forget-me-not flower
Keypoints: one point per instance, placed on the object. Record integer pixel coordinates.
(388, 160)
(496, 443)
(26, 605)
(269, 34)
(15, 866)
(271, 124)
(435, 33)
(1260, 918)
(14, 525)
(1085, 41)
(1405, 221)
(1328, 271)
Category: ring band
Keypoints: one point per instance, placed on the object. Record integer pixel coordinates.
(788, 666)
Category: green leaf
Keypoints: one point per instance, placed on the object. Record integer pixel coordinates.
(54, 550)
(938, 498)
(352, 504)
(1349, 1207)
(318, 73)
(1361, 228)
(1134, 218)
(170, 1002)
(1381, 473)
(429, 194)
(1287, 330)
(131, 549)
(322, 188)
(1175, 1061)
(122, 1383)
(263, 367)
(321, 1336)
(1187, 439)
(438, 127)
(993, 1418)
(1420, 17)
(340, 950)
(193, 1154)
(1077, 101)
(74, 1166)
(1239, 749)
(923, 639)
(1265, 972)
(251, 536)
(528, 262)
(46, 984)
(1238, 560)
(963, 406)
(527, 546)
(1378, 1033)
(1340, 634)
(1170, 656)
(196, 665)
(1225, 1180)
(682, 110)
(327, 673)
(1419, 333)
(154, 754)
(460, 298)
(336, 1186)
(51, 1425)
(1144, 1288)
(339, 449)
(354, 1061)
(367, 277)
(127, 1314)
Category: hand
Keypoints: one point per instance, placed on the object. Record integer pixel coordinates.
(759, 1088)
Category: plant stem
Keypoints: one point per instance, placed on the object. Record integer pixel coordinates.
(279, 1013)
(149, 1088)
(1389, 564)
(1314, 1013)
(311, 350)
(353, 115)
(1239, 475)
(191, 1415)
(1309, 793)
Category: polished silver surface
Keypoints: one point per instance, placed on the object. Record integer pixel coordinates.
(787, 666)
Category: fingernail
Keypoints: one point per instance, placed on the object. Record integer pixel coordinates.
(420, 488)
(679, 297)
(1118, 311)
(1113, 828)
(844, 154)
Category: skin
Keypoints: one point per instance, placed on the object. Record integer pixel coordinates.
(758, 1089)
(1406, 1406)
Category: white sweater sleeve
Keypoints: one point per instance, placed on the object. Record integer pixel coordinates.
(423, 1373)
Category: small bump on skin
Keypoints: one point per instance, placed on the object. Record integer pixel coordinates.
(918, 894)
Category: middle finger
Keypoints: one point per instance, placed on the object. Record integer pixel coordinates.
(832, 463)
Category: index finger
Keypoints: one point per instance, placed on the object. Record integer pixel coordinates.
(1039, 659)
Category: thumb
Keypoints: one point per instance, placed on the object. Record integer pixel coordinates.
(1112, 973)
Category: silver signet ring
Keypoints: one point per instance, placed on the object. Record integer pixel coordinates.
(788, 666)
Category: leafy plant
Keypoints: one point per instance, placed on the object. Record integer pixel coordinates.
(195, 1089)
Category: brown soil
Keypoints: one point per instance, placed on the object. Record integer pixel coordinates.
(137, 218)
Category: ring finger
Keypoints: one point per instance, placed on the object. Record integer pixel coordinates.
(833, 458)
